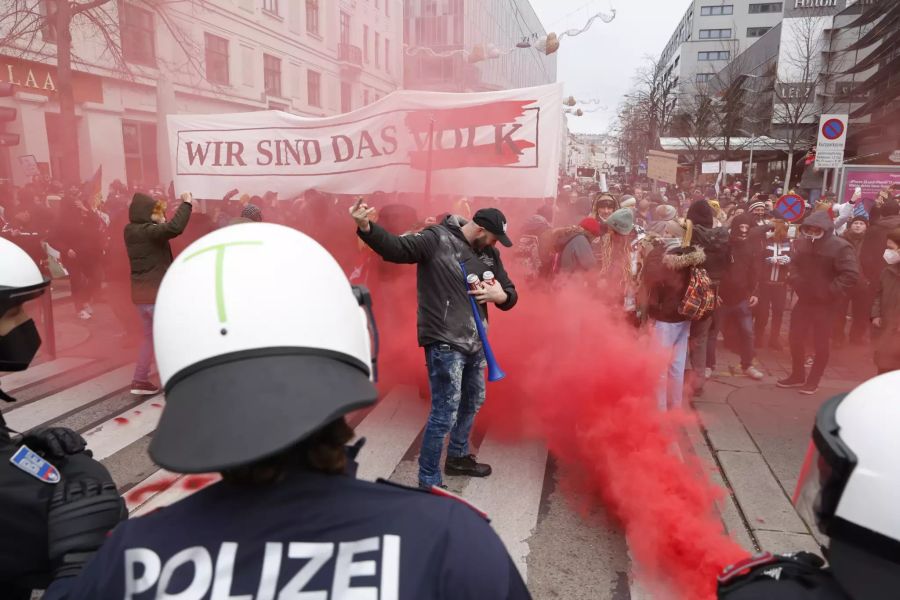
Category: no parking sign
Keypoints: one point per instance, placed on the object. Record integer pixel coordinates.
(832, 139)
(791, 207)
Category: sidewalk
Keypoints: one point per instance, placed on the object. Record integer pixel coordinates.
(757, 435)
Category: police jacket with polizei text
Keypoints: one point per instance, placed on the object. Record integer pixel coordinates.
(445, 313)
(309, 535)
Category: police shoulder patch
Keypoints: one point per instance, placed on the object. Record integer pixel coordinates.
(436, 491)
(29, 461)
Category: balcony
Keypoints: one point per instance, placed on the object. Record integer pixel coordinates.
(350, 57)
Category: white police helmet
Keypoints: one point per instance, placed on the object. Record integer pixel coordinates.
(260, 341)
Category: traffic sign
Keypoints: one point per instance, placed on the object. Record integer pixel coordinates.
(791, 207)
(831, 142)
(833, 129)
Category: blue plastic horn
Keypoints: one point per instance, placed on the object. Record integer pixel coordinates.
(495, 373)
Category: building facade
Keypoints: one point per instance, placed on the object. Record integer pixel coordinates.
(306, 57)
(438, 34)
(712, 33)
(596, 150)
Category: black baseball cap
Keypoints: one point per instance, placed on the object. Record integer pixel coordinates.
(494, 221)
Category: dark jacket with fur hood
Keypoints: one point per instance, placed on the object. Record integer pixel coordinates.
(666, 276)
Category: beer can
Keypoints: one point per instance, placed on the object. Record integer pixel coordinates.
(473, 281)
(488, 277)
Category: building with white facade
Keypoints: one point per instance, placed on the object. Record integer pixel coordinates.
(438, 34)
(306, 57)
(596, 150)
(712, 33)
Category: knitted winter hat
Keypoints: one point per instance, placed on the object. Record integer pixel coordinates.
(756, 205)
(252, 212)
(591, 225)
(665, 212)
(627, 201)
(621, 221)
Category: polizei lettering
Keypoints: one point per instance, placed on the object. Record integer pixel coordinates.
(367, 569)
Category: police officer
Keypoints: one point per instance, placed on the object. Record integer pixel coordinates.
(263, 348)
(35, 465)
(849, 487)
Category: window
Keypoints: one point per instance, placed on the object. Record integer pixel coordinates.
(715, 34)
(138, 44)
(270, 6)
(365, 97)
(313, 88)
(720, 55)
(757, 31)
(346, 96)
(387, 55)
(139, 143)
(272, 74)
(366, 43)
(766, 7)
(312, 16)
(377, 54)
(345, 28)
(48, 11)
(216, 59)
(708, 11)
(704, 77)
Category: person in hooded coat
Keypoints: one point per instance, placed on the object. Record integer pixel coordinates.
(824, 270)
(147, 242)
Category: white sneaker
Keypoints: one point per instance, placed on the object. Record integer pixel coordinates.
(753, 373)
(89, 309)
(84, 315)
(708, 372)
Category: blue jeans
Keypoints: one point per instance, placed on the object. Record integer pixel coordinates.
(457, 392)
(145, 354)
(738, 320)
(673, 337)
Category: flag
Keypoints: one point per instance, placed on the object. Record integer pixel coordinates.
(94, 190)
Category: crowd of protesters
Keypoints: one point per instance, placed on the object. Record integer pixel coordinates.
(643, 251)
(698, 263)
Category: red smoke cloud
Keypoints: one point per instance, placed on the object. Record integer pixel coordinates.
(583, 381)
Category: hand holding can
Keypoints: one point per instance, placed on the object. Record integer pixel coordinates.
(488, 278)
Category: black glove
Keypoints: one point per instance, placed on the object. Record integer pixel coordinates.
(54, 442)
(82, 513)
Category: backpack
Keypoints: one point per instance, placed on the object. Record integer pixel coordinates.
(699, 298)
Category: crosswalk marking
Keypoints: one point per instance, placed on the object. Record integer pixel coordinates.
(511, 496)
(125, 428)
(12, 382)
(389, 429)
(68, 400)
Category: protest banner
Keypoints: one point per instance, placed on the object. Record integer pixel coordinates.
(502, 143)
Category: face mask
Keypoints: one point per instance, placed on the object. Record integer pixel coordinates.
(811, 236)
(18, 347)
(892, 257)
